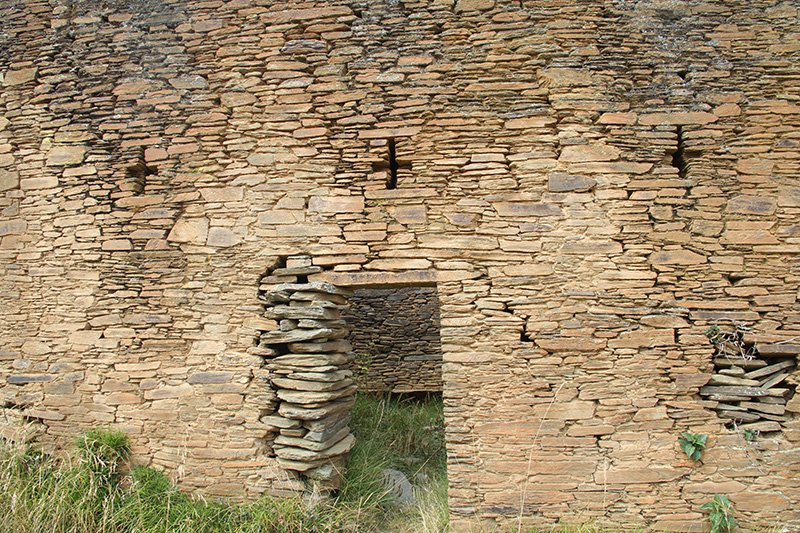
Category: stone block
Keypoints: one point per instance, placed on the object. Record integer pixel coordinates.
(473, 5)
(222, 194)
(189, 230)
(588, 152)
(9, 180)
(222, 237)
(591, 247)
(237, 99)
(564, 77)
(644, 475)
(527, 209)
(543, 121)
(46, 182)
(19, 77)
(752, 205)
(644, 339)
(571, 344)
(65, 155)
(11, 227)
(117, 245)
(336, 204)
(677, 119)
(568, 183)
(189, 82)
(677, 257)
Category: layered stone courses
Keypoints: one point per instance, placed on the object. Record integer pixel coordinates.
(578, 264)
(395, 337)
(314, 389)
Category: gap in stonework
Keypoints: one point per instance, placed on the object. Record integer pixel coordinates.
(398, 419)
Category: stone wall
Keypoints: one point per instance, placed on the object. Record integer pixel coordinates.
(591, 186)
(395, 337)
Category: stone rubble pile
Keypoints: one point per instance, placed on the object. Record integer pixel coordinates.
(750, 389)
(314, 388)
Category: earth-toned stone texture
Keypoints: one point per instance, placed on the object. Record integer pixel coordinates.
(590, 186)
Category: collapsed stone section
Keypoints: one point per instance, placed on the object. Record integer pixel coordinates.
(750, 384)
(309, 373)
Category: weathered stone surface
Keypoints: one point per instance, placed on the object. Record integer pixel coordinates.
(303, 397)
(299, 335)
(677, 257)
(589, 152)
(752, 205)
(65, 155)
(336, 204)
(527, 209)
(306, 385)
(644, 339)
(193, 231)
(299, 412)
(678, 119)
(189, 82)
(8, 180)
(20, 76)
(305, 456)
(571, 345)
(221, 237)
(586, 190)
(570, 183)
(564, 77)
(13, 227)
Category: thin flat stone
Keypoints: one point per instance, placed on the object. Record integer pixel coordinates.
(303, 311)
(327, 432)
(286, 370)
(300, 454)
(312, 359)
(297, 271)
(295, 335)
(313, 286)
(279, 422)
(325, 424)
(778, 349)
(304, 397)
(322, 376)
(301, 412)
(733, 391)
(767, 370)
(316, 446)
(338, 345)
(719, 379)
(311, 386)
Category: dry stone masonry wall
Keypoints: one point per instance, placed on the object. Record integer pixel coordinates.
(590, 185)
(395, 337)
(308, 371)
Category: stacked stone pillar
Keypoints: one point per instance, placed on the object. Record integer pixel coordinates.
(310, 376)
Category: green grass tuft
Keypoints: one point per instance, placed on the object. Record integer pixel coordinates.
(95, 490)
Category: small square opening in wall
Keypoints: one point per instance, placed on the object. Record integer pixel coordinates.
(137, 174)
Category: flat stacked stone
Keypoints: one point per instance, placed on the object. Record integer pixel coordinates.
(314, 388)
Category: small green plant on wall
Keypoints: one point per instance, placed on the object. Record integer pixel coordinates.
(721, 514)
(751, 435)
(693, 445)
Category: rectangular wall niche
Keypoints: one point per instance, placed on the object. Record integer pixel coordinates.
(395, 337)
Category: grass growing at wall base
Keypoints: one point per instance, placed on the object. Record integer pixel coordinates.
(95, 490)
